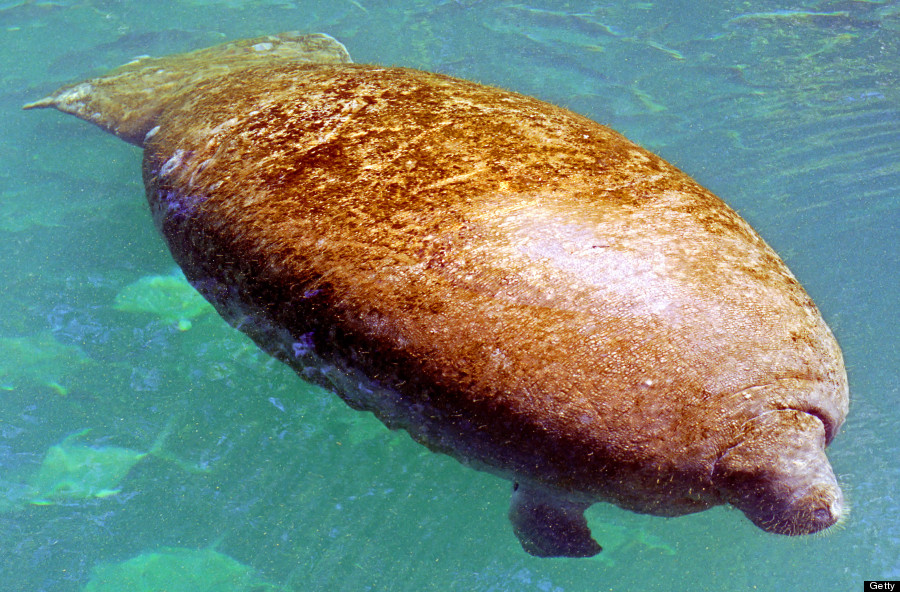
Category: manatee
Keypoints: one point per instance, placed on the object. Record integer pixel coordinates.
(511, 283)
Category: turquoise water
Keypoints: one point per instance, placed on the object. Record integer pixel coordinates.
(791, 113)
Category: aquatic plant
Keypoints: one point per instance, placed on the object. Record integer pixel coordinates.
(176, 569)
(621, 541)
(39, 361)
(20, 213)
(72, 471)
(169, 297)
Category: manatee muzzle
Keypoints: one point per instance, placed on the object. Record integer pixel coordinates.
(778, 475)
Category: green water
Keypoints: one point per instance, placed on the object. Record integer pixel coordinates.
(791, 113)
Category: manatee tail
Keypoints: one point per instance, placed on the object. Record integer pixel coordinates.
(128, 101)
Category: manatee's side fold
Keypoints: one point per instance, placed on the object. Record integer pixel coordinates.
(550, 526)
(128, 101)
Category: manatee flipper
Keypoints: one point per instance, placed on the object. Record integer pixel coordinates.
(550, 526)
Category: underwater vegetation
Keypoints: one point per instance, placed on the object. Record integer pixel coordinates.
(72, 471)
(622, 543)
(169, 297)
(174, 569)
(20, 213)
(40, 362)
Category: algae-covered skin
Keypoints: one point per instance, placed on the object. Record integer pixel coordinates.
(176, 569)
(511, 283)
(169, 297)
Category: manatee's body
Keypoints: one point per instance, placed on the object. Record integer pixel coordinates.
(513, 284)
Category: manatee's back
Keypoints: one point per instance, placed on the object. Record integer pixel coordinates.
(541, 294)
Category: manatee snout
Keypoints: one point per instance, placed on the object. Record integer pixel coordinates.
(778, 475)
